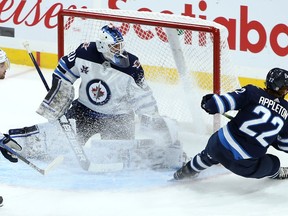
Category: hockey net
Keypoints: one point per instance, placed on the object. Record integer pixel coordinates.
(183, 57)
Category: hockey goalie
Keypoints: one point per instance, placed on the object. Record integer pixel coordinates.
(115, 115)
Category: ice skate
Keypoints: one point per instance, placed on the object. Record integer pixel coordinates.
(185, 172)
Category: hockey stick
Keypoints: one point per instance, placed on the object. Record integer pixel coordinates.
(26, 45)
(227, 116)
(53, 164)
(71, 135)
(80, 154)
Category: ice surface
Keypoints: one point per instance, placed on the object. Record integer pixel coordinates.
(70, 191)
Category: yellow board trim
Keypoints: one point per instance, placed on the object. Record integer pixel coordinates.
(50, 60)
(257, 82)
(47, 60)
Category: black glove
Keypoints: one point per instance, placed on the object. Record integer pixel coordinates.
(7, 140)
(204, 101)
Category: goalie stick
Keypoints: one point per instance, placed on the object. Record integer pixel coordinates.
(80, 154)
(51, 166)
(71, 135)
(26, 45)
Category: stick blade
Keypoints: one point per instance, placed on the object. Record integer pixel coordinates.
(56, 162)
(103, 168)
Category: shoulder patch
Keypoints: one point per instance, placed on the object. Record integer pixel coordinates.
(85, 45)
(136, 64)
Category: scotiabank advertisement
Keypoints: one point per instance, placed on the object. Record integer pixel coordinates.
(258, 30)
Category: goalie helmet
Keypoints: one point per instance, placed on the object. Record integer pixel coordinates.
(277, 81)
(110, 42)
(4, 61)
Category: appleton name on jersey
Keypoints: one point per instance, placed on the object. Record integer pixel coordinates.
(105, 87)
(260, 118)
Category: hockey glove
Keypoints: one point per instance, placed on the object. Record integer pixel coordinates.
(57, 100)
(204, 101)
(7, 140)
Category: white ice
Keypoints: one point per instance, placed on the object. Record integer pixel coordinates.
(74, 192)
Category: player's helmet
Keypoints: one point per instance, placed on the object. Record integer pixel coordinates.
(4, 61)
(110, 42)
(276, 79)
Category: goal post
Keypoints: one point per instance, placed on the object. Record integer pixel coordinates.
(183, 57)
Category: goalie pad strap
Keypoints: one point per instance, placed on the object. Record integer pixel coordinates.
(24, 132)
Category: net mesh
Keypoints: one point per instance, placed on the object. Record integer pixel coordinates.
(178, 62)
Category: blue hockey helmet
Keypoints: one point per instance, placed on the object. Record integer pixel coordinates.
(110, 42)
(276, 79)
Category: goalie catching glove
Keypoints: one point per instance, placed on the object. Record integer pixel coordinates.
(58, 99)
(161, 124)
(7, 140)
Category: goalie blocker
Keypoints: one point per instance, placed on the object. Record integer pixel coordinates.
(57, 100)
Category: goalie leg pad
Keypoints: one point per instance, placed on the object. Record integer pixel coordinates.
(135, 154)
(32, 141)
(42, 141)
(165, 132)
(154, 125)
(58, 100)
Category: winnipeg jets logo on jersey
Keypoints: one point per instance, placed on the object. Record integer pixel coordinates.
(84, 69)
(98, 92)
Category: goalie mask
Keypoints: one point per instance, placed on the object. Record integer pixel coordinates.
(4, 61)
(110, 42)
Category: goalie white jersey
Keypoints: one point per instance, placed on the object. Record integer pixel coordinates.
(107, 88)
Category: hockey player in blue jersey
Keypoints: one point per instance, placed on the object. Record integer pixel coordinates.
(241, 145)
(112, 88)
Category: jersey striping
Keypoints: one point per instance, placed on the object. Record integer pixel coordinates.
(257, 126)
(107, 88)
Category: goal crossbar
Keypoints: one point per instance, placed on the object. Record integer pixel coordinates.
(150, 22)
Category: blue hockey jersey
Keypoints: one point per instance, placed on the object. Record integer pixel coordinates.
(260, 122)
